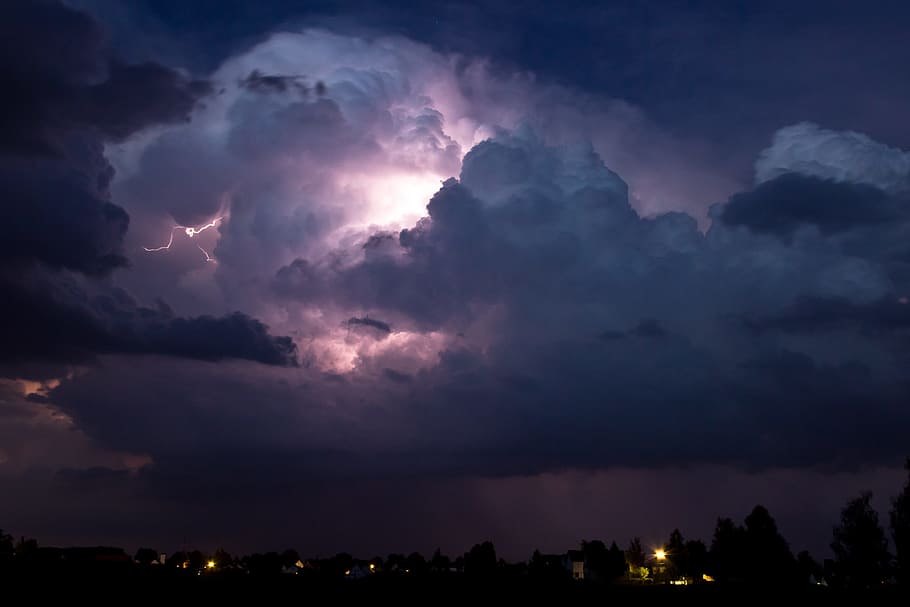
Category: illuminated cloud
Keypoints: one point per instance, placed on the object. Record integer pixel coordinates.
(446, 271)
(808, 149)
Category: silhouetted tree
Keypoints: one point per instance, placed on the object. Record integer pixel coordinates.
(222, 558)
(7, 548)
(145, 556)
(257, 563)
(176, 560)
(416, 563)
(677, 555)
(481, 559)
(808, 570)
(767, 555)
(440, 562)
(635, 555)
(616, 565)
(196, 560)
(396, 562)
(900, 529)
(596, 557)
(635, 558)
(338, 564)
(697, 554)
(727, 550)
(26, 549)
(860, 548)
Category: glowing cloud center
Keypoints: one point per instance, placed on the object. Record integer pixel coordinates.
(397, 199)
(191, 232)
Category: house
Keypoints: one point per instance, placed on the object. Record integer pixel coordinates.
(574, 562)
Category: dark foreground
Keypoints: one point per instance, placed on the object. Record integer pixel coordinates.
(166, 588)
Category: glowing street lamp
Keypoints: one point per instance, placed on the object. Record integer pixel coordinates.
(659, 554)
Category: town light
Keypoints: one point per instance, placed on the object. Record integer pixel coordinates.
(210, 564)
(659, 554)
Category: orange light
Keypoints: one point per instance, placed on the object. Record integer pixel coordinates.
(659, 554)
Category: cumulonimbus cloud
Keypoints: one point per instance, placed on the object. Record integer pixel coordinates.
(526, 309)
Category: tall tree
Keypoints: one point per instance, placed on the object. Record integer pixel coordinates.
(727, 551)
(596, 559)
(616, 565)
(860, 547)
(481, 559)
(222, 558)
(677, 555)
(145, 556)
(697, 554)
(416, 563)
(808, 570)
(440, 562)
(767, 555)
(900, 529)
(635, 555)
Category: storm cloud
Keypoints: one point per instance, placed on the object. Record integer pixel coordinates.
(444, 271)
(65, 97)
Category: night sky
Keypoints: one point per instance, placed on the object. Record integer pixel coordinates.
(382, 277)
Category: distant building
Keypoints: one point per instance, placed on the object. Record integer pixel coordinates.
(575, 564)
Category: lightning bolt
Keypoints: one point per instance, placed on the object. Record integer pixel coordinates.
(206, 253)
(189, 231)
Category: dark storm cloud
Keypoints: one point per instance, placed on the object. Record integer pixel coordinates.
(135, 96)
(63, 97)
(58, 213)
(885, 317)
(58, 80)
(782, 205)
(576, 334)
(540, 322)
(603, 323)
(52, 318)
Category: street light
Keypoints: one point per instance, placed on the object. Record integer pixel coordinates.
(659, 554)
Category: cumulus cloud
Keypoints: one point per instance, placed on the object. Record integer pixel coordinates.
(809, 149)
(562, 303)
(297, 170)
(534, 321)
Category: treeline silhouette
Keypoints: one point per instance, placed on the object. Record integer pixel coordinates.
(750, 555)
